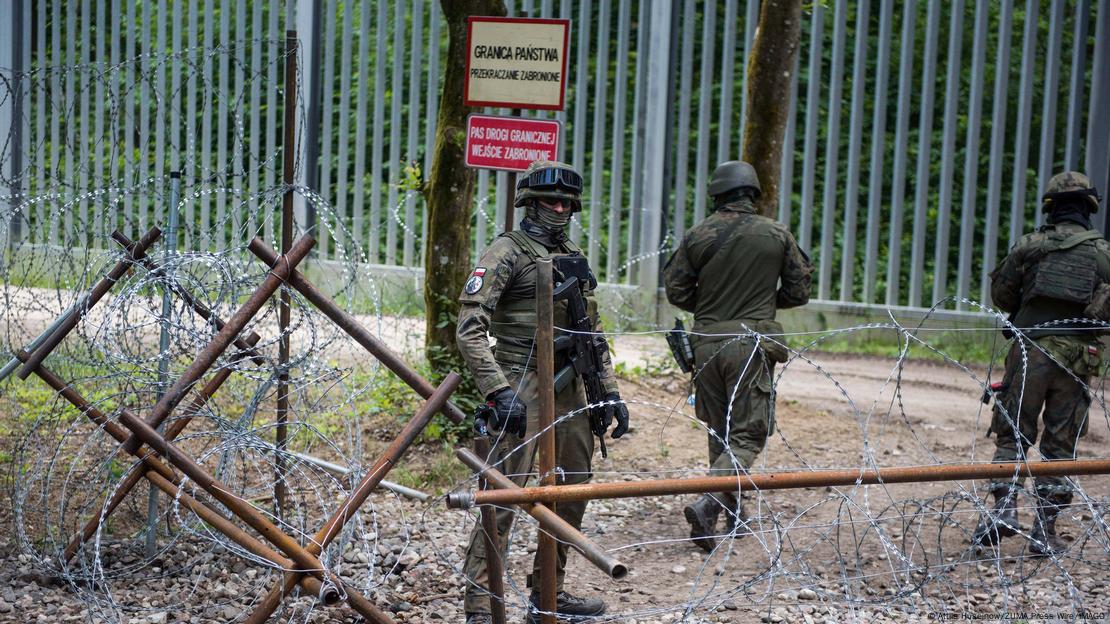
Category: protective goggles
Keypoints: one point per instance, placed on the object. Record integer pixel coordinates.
(1076, 194)
(550, 178)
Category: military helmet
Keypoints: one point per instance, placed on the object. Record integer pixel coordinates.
(733, 174)
(1070, 185)
(548, 179)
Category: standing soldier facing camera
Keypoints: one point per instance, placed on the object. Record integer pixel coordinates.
(734, 271)
(499, 299)
(1050, 281)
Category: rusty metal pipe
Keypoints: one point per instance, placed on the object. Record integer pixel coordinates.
(303, 559)
(163, 477)
(495, 569)
(545, 382)
(134, 476)
(95, 295)
(780, 481)
(373, 477)
(549, 520)
(206, 313)
(355, 330)
(279, 272)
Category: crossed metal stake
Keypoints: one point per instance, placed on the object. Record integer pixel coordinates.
(156, 452)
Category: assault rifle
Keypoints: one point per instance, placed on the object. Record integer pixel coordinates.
(582, 349)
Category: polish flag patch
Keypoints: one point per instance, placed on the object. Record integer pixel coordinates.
(474, 284)
(1091, 349)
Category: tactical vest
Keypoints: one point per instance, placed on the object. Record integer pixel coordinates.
(514, 321)
(1059, 279)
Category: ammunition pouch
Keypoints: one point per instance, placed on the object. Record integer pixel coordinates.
(1068, 270)
(1099, 306)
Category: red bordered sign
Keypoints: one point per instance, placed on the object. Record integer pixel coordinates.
(510, 143)
(516, 62)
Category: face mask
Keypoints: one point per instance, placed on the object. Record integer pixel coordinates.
(548, 218)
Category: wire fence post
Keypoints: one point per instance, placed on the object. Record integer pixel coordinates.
(169, 246)
(289, 154)
(545, 373)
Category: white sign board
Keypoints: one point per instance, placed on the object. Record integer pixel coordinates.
(516, 62)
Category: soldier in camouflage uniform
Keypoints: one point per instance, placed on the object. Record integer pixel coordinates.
(499, 299)
(1055, 274)
(733, 271)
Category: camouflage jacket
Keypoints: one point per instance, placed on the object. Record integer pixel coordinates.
(498, 300)
(1014, 280)
(728, 269)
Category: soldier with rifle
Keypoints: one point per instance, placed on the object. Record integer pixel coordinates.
(499, 300)
(1055, 283)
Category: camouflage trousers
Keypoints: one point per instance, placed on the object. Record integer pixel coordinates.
(735, 400)
(574, 449)
(1032, 383)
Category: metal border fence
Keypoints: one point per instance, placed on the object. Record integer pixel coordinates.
(920, 138)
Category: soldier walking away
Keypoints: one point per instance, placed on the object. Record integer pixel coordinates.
(1051, 279)
(499, 298)
(734, 271)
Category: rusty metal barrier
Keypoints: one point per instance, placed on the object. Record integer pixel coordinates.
(778, 481)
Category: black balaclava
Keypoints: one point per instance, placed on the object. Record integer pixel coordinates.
(546, 226)
(1077, 211)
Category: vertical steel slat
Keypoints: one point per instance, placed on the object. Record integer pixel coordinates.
(342, 179)
(85, 152)
(396, 104)
(832, 150)
(97, 148)
(705, 105)
(878, 155)
(1097, 160)
(581, 102)
(1047, 149)
(947, 162)
(275, 44)
(416, 62)
(222, 167)
(190, 136)
(1024, 121)
(855, 133)
(359, 203)
(637, 175)
(655, 143)
(971, 158)
(813, 111)
(682, 144)
(40, 65)
(240, 143)
(790, 139)
(1078, 83)
(751, 22)
(56, 82)
(255, 150)
(998, 147)
(728, 56)
(500, 181)
(901, 157)
(206, 171)
(597, 150)
(616, 169)
(327, 111)
(565, 12)
(921, 201)
(160, 212)
(379, 131)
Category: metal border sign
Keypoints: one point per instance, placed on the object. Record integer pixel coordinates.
(516, 62)
(510, 143)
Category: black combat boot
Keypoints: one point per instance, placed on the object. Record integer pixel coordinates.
(567, 606)
(702, 516)
(999, 522)
(735, 518)
(1044, 540)
(479, 618)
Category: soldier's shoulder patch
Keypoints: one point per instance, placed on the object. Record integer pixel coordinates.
(476, 280)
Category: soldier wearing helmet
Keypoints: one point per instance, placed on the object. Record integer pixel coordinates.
(1055, 283)
(733, 271)
(499, 300)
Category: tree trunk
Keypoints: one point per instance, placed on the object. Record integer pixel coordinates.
(450, 194)
(775, 48)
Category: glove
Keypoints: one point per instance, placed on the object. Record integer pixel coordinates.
(504, 412)
(616, 410)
